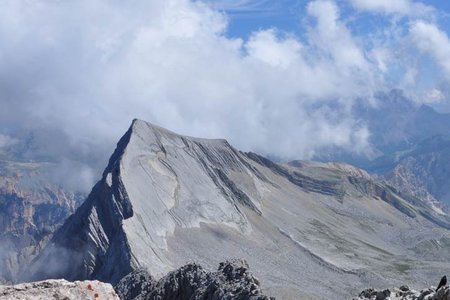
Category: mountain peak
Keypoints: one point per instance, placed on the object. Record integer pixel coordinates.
(143, 128)
(156, 181)
(166, 200)
(140, 126)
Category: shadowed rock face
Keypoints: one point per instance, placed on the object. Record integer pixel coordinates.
(307, 183)
(136, 285)
(232, 281)
(309, 230)
(405, 293)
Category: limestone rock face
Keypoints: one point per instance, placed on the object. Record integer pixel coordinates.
(309, 230)
(232, 281)
(59, 290)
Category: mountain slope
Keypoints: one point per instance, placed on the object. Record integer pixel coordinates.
(310, 230)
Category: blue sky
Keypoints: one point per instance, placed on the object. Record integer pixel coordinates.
(283, 14)
(383, 22)
(287, 15)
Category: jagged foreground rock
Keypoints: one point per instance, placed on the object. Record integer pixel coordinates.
(309, 230)
(232, 281)
(405, 293)
(59, 290)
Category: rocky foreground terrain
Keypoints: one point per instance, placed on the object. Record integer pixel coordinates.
(232, 281)
(59, 290)
(405, 293)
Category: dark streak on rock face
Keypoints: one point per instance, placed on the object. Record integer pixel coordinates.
(307, 183)
(215, 166)
(236, 193)
(318, 186)
(384, 193)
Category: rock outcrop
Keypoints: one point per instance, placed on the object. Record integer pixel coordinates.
(232, 281)
(136, 285)
(405, 293)
(59, 290)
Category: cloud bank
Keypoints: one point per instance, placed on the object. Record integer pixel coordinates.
(76, 73)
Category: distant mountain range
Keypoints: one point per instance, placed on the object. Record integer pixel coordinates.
(410, 146)
(31, 209)
(396, 123)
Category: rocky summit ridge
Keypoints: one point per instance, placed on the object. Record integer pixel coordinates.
(309, 230)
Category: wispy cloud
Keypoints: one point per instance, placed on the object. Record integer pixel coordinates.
(245, 6)
(402, 7)
(434, 42)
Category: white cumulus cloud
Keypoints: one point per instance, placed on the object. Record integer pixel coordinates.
(401, 7)
(430, 40)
